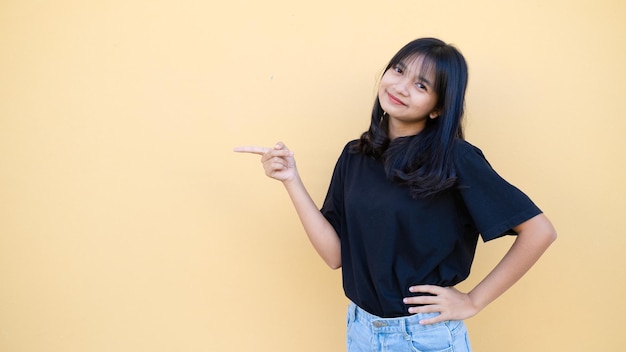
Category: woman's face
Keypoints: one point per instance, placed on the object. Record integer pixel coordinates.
(406, 94)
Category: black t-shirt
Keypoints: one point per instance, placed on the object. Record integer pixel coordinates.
(390, 241)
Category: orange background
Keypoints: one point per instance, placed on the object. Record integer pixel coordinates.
(127, 223)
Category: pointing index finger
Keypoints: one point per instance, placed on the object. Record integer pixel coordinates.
(251, 149)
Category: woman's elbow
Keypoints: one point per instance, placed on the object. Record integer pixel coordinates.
(552, 236)
(548, 232)
(334, 264)
(538, 228)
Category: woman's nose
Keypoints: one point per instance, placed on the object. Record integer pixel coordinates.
(402, 86)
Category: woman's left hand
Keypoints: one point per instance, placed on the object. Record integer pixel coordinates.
(450, 303)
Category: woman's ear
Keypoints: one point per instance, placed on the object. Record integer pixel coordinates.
(434, 114)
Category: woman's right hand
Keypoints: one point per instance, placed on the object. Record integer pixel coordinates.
(280, 164)
(278, 161)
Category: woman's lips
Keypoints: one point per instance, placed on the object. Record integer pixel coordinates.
(395, 100)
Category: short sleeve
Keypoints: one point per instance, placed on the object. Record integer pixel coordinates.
(495, 205)
(333, 207)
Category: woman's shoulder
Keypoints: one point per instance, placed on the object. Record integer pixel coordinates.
(351, 143)
(351, 147)
(463, 146)
(464, 149)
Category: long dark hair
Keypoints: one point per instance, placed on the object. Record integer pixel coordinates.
(423, 162)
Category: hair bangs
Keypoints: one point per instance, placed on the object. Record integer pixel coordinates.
(428, 66)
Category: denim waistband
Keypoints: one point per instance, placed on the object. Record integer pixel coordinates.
(378, 324)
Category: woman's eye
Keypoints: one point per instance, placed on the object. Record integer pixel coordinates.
(420, 85)
(398, 69)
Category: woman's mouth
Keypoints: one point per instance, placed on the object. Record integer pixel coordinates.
(395, 100)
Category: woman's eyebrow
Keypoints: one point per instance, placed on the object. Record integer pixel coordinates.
(419, 76)
(401, 64)
(424, 80)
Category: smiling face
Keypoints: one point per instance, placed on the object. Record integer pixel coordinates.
(406, 93)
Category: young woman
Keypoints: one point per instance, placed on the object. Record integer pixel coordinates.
(406, 204)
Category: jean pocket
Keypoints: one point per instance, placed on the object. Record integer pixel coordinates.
(434, 338)
(460, 338)
(358, 336)
(455, 326)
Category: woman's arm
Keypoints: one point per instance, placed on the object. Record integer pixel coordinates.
(534, 237)
(280, 164)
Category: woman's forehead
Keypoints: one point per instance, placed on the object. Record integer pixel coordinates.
(418, 64)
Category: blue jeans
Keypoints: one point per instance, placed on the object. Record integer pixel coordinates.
(369, 333)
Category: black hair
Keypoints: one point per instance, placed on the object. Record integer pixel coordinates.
(423, 162)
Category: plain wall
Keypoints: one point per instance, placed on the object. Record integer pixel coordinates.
(128, 224)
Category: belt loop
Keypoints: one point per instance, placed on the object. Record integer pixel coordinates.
(405, 329)
(352, 312)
